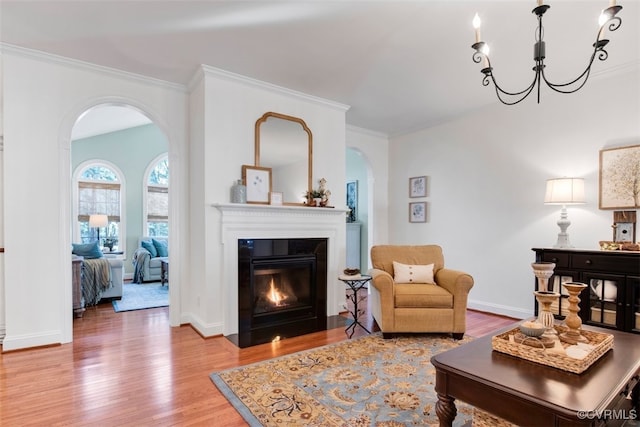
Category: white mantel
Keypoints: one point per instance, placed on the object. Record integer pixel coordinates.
(249, 221)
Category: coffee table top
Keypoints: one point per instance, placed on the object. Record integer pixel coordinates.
(547, 387)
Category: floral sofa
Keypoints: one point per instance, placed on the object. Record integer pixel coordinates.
(147, 258)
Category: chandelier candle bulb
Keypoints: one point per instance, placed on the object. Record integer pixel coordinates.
(476, 24)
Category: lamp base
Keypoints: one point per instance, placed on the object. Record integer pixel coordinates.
(563, 236)
(563, 241)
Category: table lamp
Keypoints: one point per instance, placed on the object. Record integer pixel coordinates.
(98, 221)
(564, 191)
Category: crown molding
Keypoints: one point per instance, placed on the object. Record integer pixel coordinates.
(88, 66)
(248, 81)
(367, 132)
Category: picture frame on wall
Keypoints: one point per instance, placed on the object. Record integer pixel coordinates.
(352, 201)
(418, 186)
(258, 182)
(418, 212)
(619, 175)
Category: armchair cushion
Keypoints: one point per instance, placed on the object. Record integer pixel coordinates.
(422, 295)
(405, 273)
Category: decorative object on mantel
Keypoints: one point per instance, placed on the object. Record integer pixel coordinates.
(258, 182)
(238, 192)
(608, 16)
(564, 191)
(318, 197)
(619, 178)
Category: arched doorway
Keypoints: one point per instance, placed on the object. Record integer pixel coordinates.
(121, 147)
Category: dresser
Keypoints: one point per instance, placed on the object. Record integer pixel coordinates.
(612, 296)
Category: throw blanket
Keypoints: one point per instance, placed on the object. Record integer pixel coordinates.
(95, 280)
(140, 257)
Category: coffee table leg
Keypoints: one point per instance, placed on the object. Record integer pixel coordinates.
(446, 410)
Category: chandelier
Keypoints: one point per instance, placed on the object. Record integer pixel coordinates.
(607, 18)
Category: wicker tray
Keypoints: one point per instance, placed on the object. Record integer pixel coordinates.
(601, 342)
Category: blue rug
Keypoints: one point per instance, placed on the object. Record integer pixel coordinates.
(363, 382)
(136, 296)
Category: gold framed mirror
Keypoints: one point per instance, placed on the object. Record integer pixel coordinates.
(285, 144)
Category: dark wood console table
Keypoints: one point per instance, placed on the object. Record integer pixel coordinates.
(530, 394)
(612, 298)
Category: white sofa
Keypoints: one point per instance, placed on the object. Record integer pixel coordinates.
(117, 272)
(150, 267)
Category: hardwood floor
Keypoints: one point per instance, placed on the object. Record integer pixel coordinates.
(133, 369)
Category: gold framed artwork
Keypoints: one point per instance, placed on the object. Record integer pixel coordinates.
(620, 178)
(418, 186)
(258, 182)
(418, 212)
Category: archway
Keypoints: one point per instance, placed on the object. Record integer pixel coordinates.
(123, 135)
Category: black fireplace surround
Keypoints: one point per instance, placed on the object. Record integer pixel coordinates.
(282, 289)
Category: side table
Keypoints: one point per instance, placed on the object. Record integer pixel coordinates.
(164, 271)
(355, 283)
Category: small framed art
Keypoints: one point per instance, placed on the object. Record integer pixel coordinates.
(352, 201)
(276, 198)
(418, 212)
(418, 186)
(258, 182)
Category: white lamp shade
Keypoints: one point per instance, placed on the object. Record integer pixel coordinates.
(564, 191)
(98, 220)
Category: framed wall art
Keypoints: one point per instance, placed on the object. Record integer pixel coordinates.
(418, 186)
(620, 178)
(418, 212)
(258, 182)
(352, 201)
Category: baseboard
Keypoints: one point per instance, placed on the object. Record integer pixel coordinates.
(18, 342)
(203, 329)
(504, 310)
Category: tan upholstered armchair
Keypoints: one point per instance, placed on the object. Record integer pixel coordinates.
(414, 306)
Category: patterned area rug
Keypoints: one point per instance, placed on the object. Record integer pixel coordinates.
(137, 296)
(367, 381)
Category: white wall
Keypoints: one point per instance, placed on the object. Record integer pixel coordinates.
(486, 183)
(43, 96)
(225, 107)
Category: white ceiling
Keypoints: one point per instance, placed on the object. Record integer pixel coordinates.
(400, 65)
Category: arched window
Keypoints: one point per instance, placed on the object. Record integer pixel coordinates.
(99, 192)
(157, 204)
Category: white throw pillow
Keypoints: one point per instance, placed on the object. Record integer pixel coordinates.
(404, 273)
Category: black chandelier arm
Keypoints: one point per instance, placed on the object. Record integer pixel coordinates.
(503, 94)
(598, 51)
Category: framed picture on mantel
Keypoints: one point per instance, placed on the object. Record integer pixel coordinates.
(258, 182)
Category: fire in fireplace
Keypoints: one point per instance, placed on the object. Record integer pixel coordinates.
(282, 289)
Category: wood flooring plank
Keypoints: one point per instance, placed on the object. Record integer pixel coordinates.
(133, 369)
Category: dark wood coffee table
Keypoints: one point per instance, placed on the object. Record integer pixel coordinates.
(530, 394)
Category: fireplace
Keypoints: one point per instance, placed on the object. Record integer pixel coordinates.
(282, 289)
